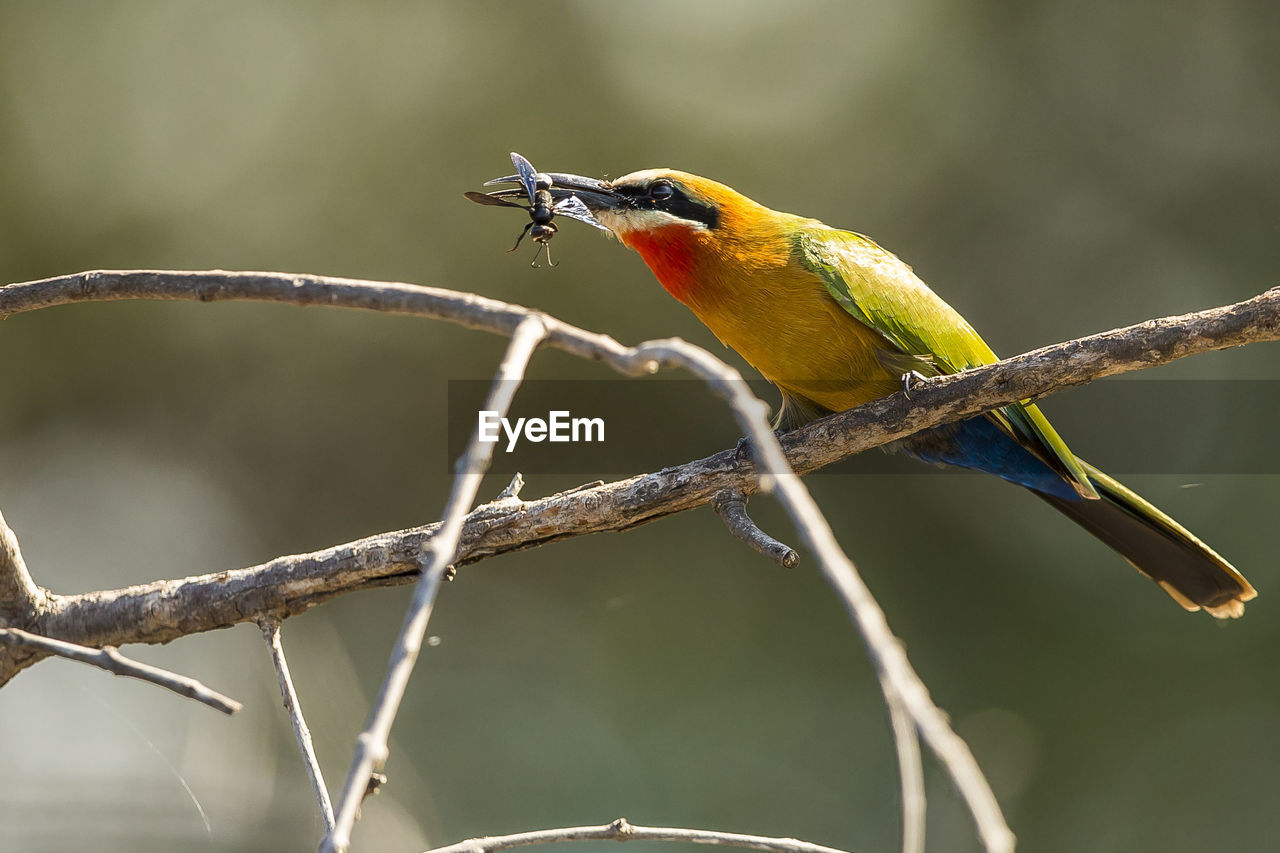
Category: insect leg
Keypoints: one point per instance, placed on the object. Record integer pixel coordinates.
(527, 226)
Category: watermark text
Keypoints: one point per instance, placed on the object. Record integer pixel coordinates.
(558, 426)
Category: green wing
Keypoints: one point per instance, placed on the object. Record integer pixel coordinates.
(921, 331)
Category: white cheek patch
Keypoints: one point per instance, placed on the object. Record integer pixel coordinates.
(624, 221)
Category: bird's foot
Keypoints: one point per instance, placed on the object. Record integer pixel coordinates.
(910, 380)
(742, 451)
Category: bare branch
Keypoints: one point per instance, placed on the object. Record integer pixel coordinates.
(112, 661)
(20, 598)
(911, 769)
(621, 830)
(732, 508)
(464, 309)
(372, 744)
(271, 633)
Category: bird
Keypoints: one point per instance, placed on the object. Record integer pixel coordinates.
(833, 321)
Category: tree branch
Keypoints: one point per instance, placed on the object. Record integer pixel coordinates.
(464, 309)
(271, 634)
(20, 598)
(911, 769)
(112, 661)
(621, 830)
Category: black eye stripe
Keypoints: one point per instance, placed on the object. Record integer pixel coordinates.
(686, 208)
(677, 203)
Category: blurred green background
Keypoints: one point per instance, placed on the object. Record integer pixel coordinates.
(1052, 169)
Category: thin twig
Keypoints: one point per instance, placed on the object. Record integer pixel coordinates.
(621, 830)
(372, 744)
(731, 506)
(911, 770)
(112, 661)
(271, 633)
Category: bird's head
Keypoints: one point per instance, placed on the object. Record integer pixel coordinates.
(684, 226)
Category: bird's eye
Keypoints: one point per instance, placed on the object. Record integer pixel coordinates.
(662, 191)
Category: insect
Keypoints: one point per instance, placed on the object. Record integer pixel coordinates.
(543, 206)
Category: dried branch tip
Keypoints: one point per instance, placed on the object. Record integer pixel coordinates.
(732, 509)
(513, 488)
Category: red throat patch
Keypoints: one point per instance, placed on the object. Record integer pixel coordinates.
(670, 252)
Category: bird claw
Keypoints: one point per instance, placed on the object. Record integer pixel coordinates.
(742, 451)
(909, 379)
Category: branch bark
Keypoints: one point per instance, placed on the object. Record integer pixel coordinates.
(732, 509)
(21, 603)
(19, 595)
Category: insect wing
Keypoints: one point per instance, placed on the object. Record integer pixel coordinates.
(528, 175)
(482, 198)
(572, 207)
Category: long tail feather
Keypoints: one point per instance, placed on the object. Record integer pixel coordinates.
(1191, 572)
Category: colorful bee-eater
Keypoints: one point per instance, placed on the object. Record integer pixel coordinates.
(834, 321)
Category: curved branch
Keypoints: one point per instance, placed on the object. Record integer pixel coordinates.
(464, 309)
(21, 603)
(20, 598)
(621, 830)
(911, 771)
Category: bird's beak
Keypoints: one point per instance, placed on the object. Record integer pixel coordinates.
(597, 195)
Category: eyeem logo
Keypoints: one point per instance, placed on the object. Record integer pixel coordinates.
(558, 426)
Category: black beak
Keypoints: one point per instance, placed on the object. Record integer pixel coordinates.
(595, 194)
